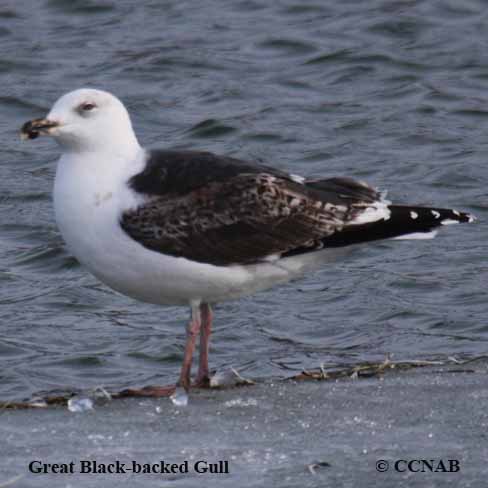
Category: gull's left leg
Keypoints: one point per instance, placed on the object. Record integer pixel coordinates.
(192, 331)
(202, 379)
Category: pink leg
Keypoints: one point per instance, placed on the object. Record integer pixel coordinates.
(202, 379)
(192, 331)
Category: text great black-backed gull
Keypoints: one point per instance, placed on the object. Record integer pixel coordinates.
(194, 228)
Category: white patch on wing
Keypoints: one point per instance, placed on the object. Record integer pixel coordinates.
(297, 179)
(416, 235)
(271, 258)
(376, 211)
(435, 214)
(449, 222)
(414, 215)
(295, 202)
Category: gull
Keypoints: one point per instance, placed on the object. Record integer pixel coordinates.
(194, 228)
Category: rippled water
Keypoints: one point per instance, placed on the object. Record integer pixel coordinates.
(391, 92)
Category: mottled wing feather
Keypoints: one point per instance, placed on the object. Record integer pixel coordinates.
(220, 210)
(240, 220)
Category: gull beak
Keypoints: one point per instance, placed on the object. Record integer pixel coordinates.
(35, 128)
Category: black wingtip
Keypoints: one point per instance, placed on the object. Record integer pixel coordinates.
(466, 217)
(430, 217)
(404, 222)
(448, 216)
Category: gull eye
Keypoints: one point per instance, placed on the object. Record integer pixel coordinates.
(87, 106)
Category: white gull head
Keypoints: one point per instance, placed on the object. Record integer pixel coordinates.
(87, 120)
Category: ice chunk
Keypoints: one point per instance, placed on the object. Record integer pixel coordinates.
(179, 397)
(100, 395)
(80, 404)
(229, 377)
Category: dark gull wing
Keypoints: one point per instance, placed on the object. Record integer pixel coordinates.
(180, 172)
(223, 211)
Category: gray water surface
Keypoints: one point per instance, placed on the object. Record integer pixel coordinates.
(395, 93)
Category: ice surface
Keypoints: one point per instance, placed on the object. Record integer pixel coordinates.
(241, 402)
(286, 434)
